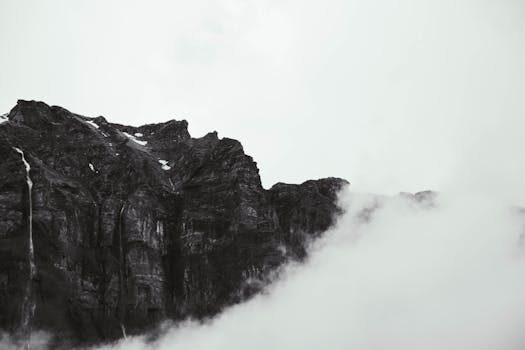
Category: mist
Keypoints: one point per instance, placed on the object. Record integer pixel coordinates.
(441, 273)
(410, 95)
(446, 274)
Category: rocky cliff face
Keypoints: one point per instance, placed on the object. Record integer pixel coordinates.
(135, 225)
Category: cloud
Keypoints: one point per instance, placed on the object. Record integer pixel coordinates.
(39, 341)
(449, 276)
(392, 95)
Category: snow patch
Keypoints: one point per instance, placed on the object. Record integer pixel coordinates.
(164, 164)
(3, 118)
(92, 167)
(93, 124)
(138, 134)
(134, 139)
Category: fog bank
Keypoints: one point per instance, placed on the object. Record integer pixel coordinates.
(415, 276)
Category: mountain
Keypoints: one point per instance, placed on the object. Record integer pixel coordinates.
(108, 229)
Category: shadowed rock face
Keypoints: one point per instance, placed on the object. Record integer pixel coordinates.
(134, 225)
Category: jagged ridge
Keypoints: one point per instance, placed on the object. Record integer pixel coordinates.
(133, 225)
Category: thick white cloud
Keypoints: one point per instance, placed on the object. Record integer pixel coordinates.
(447, 277)
(402, 95)
(414, 277)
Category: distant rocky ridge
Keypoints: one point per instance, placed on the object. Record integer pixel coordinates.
(135, 225)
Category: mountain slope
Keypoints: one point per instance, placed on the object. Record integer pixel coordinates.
(135, 225)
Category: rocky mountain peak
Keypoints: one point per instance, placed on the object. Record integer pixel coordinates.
(135, 225)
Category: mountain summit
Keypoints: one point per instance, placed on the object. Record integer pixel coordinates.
(108, 230)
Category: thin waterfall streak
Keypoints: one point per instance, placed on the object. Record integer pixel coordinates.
(28, 306)
(123, 328)
(121, 314)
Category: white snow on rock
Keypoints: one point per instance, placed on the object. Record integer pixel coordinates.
(164, 164)
(92, 167)
(3, 118)
(93, 124)
(138, 134)
(134, 139)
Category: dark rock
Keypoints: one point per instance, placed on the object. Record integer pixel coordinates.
(129, 233)
(306, 210)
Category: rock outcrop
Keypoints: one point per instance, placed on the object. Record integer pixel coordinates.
(135, 225)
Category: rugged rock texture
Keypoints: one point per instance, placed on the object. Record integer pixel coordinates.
(131, 230)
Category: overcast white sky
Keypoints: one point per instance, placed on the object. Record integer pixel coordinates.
(392, 95)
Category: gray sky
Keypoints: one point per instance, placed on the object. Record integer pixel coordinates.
(391, 95)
